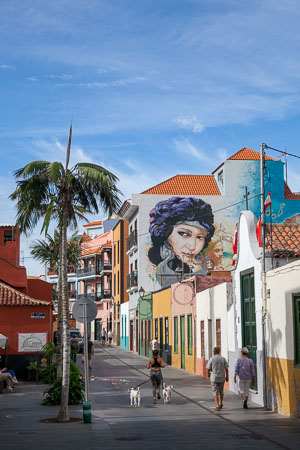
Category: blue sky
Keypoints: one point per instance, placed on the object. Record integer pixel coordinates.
(155, 87)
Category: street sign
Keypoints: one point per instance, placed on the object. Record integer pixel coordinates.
(85, 306)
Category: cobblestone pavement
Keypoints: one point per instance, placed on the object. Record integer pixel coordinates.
(189, 422)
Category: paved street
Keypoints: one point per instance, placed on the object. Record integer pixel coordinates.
(188, 422)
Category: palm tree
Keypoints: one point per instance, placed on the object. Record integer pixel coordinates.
(50, 190)
(46, 251)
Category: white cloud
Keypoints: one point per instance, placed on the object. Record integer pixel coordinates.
(186, 147)
(190, 123)
(56, 151)
(32, 79)
(64, 76)
(7, 67)
(115, 83)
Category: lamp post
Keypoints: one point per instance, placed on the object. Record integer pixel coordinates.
(142, 291)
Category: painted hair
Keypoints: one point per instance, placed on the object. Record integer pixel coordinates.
(173, 211)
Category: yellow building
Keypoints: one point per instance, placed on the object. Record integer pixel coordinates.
(162, 329)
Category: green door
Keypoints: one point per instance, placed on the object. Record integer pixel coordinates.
(297, 329)
(98, 328)
(249, 317)
(182, 341)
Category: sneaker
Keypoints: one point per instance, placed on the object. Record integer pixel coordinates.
(245, 404)
(221, 406)
(10, 389)
(218, 408)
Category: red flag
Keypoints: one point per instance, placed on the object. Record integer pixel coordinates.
(268, 201)
(258, 231)
(234, 245)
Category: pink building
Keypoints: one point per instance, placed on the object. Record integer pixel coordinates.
(95, 280)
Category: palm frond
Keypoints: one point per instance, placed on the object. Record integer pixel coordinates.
(32, 168)
(68, 148)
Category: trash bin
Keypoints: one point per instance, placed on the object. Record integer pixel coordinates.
(87, 412)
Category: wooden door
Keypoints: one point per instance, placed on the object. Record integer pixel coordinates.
(182, 341)
(249, 317)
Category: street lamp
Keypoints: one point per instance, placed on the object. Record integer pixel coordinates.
(142, 291)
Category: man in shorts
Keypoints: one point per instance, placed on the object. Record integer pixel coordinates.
(244, 369)
(103, 336)
(218, 372)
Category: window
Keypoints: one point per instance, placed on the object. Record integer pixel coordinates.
(118, 252)
(296, 302)
(161, 333)
(135, 265)
(166, 333)
(8, 236)
(176, 334)
(202, 338)
(142, 332)
(221, 178)
(156, 328)
(190, 334)
(218, 333)
(118, 282)
(114, 284)
(115, 255)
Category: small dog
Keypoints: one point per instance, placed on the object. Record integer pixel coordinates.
(167, 392)
(135, 397)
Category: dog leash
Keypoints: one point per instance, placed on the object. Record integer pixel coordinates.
(142, 383)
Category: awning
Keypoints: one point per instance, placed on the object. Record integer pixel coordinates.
(3, 341)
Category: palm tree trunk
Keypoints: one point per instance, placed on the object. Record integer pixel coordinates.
(59, 313)
(63, 415)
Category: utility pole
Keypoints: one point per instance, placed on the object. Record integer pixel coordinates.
(246, 197)
(263, 274)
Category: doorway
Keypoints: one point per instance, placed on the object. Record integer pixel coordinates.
(182, 341)
(249, 317)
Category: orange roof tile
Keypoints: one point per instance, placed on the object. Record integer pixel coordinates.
(97, 222)
(186, 185)
(12, 297)
(289, 195)
(283, 239)
(91, 251)
(246, 154)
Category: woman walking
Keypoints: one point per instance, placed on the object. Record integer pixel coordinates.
(155, 364)
(244, 369)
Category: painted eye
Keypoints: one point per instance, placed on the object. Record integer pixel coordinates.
(183, 233)
(200, 237)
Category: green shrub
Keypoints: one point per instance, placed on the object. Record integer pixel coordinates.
(52, 395)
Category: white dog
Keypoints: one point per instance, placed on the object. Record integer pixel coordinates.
(135, 397)
(167, 392)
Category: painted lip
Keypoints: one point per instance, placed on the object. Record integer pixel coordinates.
(188, 255)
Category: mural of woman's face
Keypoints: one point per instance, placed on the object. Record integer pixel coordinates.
(187, 241)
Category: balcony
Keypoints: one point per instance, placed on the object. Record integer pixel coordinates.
(53, 272)
(88, 271)
(132, 281)
(105, 264)
(131, 243)
(92, 295)
(105, 295)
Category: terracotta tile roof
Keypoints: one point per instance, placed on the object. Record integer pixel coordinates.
(12, 297)
(186, 185)
(97, 222)
(285, 239)
(246, 154)
(91, 251)
(204, 282)
(289, 195)
(98, 249)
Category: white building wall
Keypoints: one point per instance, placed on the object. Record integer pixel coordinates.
(281, 283)
(249, 257)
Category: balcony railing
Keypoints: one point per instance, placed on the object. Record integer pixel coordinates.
(131, 241)
(93, 295)
(88, 271)
(70, 269)
(132, 280)
(105, 265)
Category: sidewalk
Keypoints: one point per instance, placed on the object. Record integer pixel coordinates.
(188, 422)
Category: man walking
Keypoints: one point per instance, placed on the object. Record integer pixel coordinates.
(103, 337)
(244, 369)
(218, 372)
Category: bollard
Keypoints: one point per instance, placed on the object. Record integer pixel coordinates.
(87, 412)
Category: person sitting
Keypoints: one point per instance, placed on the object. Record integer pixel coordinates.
(12, 372)
(7, 378)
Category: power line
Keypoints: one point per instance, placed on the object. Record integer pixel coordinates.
(283, 152)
